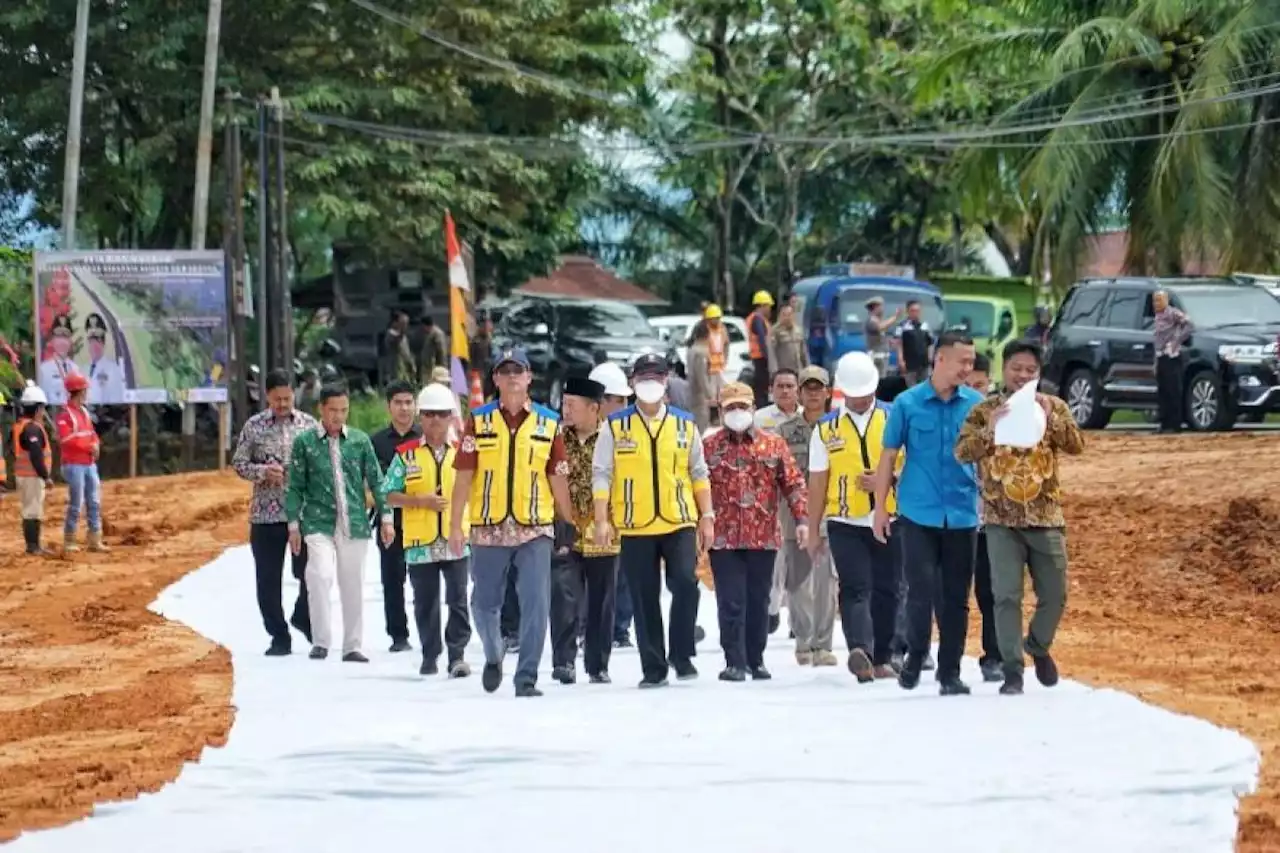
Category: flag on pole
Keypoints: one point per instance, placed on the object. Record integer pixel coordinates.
(459, 287)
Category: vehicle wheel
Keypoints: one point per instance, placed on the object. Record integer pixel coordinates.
(1204, 406)
(1084, 399)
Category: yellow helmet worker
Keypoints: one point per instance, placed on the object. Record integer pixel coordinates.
(762, 297)
(713, 312)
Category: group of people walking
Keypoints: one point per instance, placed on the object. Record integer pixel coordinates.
(873, 510)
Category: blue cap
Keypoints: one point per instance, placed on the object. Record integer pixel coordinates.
(512, 355)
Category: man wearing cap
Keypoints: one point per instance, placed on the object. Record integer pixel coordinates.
(758, 341)
(55, 369)
(843, 455)
(32, 465)
(808, 575)
(106, 378)
(590, 569)
(402, 410)
(750, 472)
(512, 470)
(617, 396)
(874, 328)
(418, 483)
(649, 483)
(80, 448)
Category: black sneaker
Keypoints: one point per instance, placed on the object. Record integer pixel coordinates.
(527, 691)
(759, 673)
(699, 633)
(428, 668)
(953, 687)
(623, 642)
(1046, 670)
(564, 674)
(775, 621)
(318, 653)
(354, 657)
(491, 678)
(733, 673)
(600, 678)
(648, 683)
(459, 669)
(401, 646)
(279, 650)
(685, 671)
(1012, 684)
(909, 677)
(991, 670)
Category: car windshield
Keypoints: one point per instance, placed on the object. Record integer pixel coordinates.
(978, 317)
(853, 306)
(1210, 307)
(604, 320)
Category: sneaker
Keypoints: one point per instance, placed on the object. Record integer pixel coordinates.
(428, 667)
(318, 653)
(1012, 684)
(991, 670)
(648, 683)
(699, 634)
(733, 673)
(860, 666)
(564, 674)
(909, 677)
(1046, 670)
(492, 677)
(623, 642)
(279, 650)
(527, 691)
(401, 646)
(775, 621)
(825, 657)
(759, 673)
(896, 660)
(511, 644)
(354, 657)
(459, 669)
(685, 671)
(804, 658)
(600, 678)
(953, 687)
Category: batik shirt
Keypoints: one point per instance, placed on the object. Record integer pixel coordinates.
(580, 452)
(264, 440)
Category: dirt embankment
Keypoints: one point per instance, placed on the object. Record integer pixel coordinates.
(99, 698)
(1175, 559)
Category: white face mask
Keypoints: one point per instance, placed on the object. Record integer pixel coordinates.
(650, 391)
(739, 420)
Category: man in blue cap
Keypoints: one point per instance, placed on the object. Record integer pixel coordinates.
(512, 470)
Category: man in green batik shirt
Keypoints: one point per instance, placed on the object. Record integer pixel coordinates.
(330, 469)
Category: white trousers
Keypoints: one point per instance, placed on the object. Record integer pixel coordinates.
(341, 558)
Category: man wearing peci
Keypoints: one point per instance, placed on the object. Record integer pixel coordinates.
(106, 376)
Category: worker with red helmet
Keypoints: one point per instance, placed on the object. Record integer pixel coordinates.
(80, 448)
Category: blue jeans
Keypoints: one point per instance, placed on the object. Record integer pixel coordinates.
(84, 487)
(489, 569)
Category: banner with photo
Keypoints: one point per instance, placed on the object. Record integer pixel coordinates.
(142, 326)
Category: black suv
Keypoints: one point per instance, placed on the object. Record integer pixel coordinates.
(1101, 354)
(565, 336)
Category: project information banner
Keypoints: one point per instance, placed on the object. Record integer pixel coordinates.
(142, 326)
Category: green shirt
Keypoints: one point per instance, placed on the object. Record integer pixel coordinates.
(313, 502)
(394, 482)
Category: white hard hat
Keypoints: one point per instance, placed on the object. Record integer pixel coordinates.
(436, 398)
(856, 375)
(612, 378)
(33, 395)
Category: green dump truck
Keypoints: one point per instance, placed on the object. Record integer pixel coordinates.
(994, 310)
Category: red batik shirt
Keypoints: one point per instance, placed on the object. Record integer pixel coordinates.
(750, 474)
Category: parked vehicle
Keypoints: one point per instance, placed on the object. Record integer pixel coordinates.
(992, 322)
(832, 306)
(1271, 283)
(1102, 353)
(566, 336)
(674, 330)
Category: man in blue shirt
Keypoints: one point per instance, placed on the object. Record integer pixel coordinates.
(937, 509)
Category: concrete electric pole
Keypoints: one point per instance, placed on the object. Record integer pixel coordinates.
(204, 143)
(71, 171)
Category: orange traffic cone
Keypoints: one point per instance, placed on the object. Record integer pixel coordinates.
(477, 390)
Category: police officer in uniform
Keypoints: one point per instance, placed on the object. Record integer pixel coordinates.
(106, 378)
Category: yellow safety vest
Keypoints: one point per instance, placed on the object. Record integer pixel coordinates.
(424, 475)
(652, 489)
(511, 470)
(850, 453)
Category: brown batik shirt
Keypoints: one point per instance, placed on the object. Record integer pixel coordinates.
(580, 452)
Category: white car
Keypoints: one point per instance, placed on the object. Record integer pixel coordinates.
(674, 329)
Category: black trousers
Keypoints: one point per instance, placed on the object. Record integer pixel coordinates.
(760, 381)
(426, 578)
(641, 560)
(986, 601)
(869, 581)
(269, 544)
(579, 584)
(744, 580)
(1169, 391)
(511, 608)
(394, 573)
(939, 566)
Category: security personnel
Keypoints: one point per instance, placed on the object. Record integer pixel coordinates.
(513, 471)
(650, 485)
(106, 378)
(32, 465)
(758, 342)
(843, 455)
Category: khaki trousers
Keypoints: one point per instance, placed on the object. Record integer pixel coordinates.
(31, 498)
(810, 592)
(338, 558)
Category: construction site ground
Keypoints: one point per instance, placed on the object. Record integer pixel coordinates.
(1175, 597)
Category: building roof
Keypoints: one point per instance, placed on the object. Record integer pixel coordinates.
(583, 277)
(1102, 256)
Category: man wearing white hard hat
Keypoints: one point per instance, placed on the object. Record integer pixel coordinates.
(419, 482)
(32, 465)
(843, 455)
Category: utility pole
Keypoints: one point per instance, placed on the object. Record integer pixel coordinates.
(284, 304)
(263, 283)
(71, 170)
(233, 243)
(204, 142)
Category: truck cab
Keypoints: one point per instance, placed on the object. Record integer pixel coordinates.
(991, 321)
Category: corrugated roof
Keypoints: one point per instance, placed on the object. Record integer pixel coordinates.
(583, 277)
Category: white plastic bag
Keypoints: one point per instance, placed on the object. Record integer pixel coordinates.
(1024, 425)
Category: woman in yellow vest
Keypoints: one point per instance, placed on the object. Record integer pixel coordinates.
(419, 481)
(513, 472)
(843, 454)
(650, 485)
(32, 465)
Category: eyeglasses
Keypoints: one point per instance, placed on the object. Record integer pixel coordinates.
(510, 370)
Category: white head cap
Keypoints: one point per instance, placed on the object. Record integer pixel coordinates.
(436, 398)
(33, 395)
(612, 378)
(856, 375)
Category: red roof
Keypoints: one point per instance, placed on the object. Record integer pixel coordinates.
(1102, 256)
(582, 277)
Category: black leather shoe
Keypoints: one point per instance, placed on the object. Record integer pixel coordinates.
(354, 657)
(759, 673)
(318, 653)
(527, 691)
(491, 678)
(733, 673)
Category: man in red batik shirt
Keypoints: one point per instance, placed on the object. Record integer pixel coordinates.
(751, 471)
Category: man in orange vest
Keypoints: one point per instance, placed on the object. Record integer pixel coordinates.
(717, 357)
(32, 465)
(758, 341)
(80, 448)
